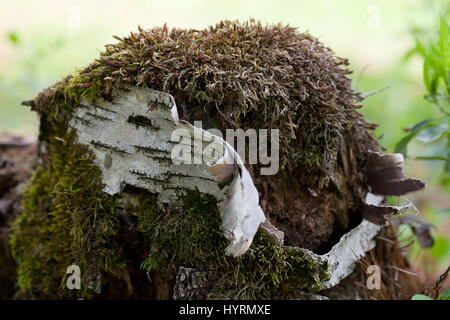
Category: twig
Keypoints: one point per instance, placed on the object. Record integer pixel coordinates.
(371, 93)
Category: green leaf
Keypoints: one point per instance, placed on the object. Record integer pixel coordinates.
(432, 133)
(436, 60)
(440, 248)
(421, 297)
(13, 37)
(446, 211)
(432, 158)
(402, 146)
(427, 70)
(445, 295)
(444, 43)
(420, 48)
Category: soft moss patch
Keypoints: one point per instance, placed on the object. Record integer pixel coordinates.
(66, 220)
(191, 237)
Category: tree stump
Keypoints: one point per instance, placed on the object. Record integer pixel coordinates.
(109, 198)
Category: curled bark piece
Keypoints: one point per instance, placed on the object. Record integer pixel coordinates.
(174, 111)
(240, 211)
(377, 213)
(241, 214)
(222, 172)
(341, 259)
(386, 175)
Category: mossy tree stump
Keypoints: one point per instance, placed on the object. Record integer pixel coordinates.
(107, 197)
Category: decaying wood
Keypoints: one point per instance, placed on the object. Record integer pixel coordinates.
(191, 284)
(133, 143)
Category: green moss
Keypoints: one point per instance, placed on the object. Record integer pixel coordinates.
(66, 220)
(191, 237)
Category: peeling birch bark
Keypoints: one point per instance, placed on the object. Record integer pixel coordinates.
(133, 145)
(352, 247)
(341, 259)
(132, 141)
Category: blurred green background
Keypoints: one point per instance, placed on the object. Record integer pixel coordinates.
(41, 42)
